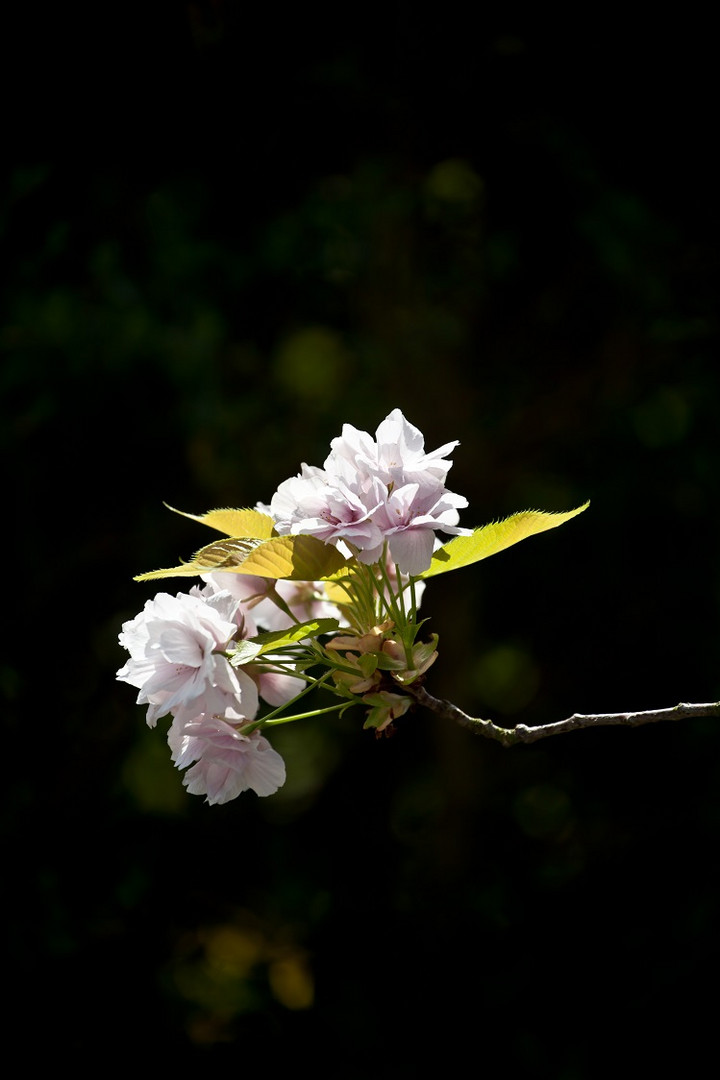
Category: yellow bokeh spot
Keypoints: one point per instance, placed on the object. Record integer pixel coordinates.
(291, 981)
(311, 362)
(453, 181)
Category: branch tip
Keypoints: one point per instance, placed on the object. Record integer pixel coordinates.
(522, 733)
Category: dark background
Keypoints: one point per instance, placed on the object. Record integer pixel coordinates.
(225, 233)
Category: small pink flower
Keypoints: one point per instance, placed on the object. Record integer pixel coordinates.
(226, 762)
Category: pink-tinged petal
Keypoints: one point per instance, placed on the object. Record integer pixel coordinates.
(247, 693)
(412, 550)
(370, 488)
(176, 647)
(265, 769)
(217, 781)
(182, 646)
(277, 689)
(249, 589)
(173, 685)
(226, 762)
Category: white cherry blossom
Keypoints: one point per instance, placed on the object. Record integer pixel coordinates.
(226, 762)
(374, 490)
(397, 455)
(325, 506)
(176, 647)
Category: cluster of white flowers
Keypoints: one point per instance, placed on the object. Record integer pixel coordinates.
(180, 651)
(381, 501)
(374, 490)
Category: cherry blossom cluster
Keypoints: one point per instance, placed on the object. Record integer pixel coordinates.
(372, 492)
(213, 657)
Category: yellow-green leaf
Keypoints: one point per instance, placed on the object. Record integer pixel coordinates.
(297, 558)
(498, 535)
(293, 558)
(246, 523)
(335, 591)
(226, 555)
(273, 640)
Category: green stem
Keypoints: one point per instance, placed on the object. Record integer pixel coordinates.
(401, 593)
(307, 715)
(281, 708)
(413, 599)
(386, 595)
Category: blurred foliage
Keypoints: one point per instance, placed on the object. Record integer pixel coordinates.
(269, 234)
